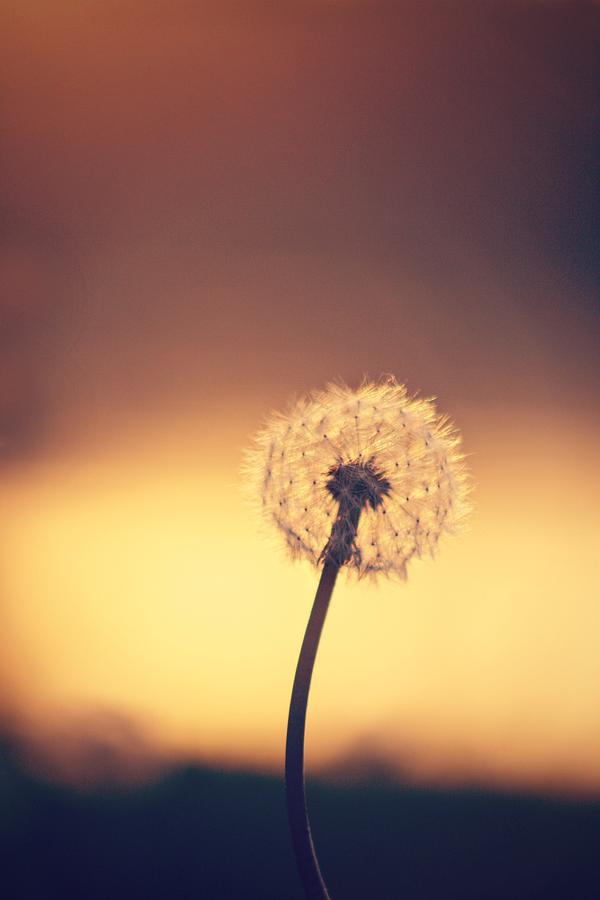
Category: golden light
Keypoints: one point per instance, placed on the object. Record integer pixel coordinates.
(135, 581)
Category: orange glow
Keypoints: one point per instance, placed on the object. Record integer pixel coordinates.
(210, 207)
(136, 581)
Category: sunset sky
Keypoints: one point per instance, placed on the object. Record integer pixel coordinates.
(211, 207)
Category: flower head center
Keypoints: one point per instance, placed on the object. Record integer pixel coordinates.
(358, 483)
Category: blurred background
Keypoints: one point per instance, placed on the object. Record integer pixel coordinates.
(206, 208)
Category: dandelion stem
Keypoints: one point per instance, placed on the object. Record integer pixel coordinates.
(306, 858)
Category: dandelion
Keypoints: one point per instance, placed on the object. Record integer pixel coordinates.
(364, 479)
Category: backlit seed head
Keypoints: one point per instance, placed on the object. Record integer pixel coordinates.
(368, 477)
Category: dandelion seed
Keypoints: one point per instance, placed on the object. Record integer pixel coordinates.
(331, 481)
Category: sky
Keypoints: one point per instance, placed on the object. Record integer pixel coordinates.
(209, 208)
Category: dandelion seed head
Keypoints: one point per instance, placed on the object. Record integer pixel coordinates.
(369, 477)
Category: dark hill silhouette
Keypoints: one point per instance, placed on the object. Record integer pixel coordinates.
(202, 833)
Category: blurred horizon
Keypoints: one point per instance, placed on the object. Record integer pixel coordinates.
(201, 831)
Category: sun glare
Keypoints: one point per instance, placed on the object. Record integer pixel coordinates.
(133, 582)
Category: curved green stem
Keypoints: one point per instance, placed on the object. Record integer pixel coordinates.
(306, 858)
